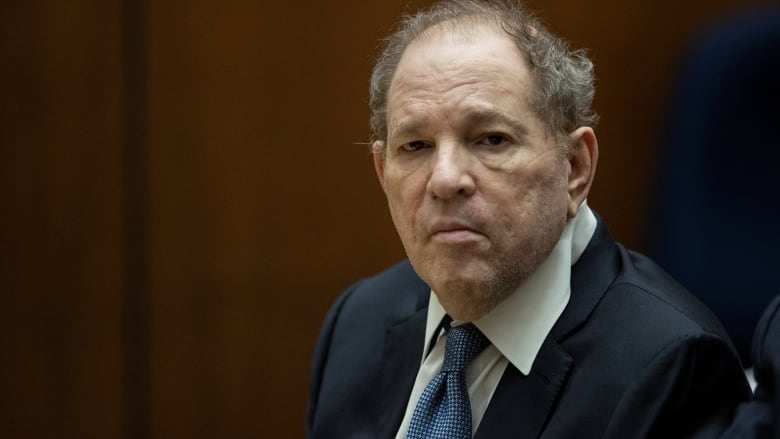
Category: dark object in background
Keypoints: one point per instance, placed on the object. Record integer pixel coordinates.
(717, 223)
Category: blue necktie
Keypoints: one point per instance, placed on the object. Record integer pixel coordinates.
(444, 410)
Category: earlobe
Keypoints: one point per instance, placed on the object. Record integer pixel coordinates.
(378, 151)
(582, 160)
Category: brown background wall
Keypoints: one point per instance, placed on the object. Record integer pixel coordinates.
(184, 192)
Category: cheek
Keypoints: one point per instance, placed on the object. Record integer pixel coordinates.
(404, 187)
(404, 196)
(535, 196)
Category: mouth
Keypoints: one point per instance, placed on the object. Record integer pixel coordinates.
(454, 233)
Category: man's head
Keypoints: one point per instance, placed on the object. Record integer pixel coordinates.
(479, 181)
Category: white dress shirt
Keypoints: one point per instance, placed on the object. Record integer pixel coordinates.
(516, 328)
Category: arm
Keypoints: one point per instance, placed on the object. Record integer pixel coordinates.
(758, 417)
(689, 390)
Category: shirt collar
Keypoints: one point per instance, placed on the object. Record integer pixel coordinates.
(518, 326)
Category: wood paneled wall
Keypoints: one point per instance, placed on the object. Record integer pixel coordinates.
(185, 189)
(61, 220)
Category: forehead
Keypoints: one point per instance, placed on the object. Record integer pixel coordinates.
(450, 68)
(447, 49)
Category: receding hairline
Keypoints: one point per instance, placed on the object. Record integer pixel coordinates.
(466, 26)
(463, 25)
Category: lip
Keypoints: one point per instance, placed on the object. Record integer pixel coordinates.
(454, 232)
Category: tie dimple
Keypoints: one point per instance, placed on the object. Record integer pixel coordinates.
(464, 342)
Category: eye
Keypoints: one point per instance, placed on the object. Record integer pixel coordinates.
(494, 140)
(414, 146)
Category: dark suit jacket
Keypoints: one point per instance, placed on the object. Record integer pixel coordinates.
(633, 355)
(759, 417)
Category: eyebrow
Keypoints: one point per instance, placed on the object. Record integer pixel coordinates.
(405, 129)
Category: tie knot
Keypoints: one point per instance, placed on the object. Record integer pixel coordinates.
(464, 342)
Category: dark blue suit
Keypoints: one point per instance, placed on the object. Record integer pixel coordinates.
(759, 417)
(633, 355)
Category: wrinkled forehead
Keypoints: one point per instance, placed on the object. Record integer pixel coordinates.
(454, 44)
(449, 55)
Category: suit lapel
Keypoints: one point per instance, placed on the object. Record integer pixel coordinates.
(521, 404)
(401, 360)
(591, 276)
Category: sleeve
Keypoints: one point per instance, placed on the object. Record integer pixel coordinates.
(766, 351)
(689, 390)
(759, 417)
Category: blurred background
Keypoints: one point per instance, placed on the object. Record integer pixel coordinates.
(185, 190)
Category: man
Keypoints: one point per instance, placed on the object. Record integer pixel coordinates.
(516, 314)
(759, 417)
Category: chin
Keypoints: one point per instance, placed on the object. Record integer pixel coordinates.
(466, 299)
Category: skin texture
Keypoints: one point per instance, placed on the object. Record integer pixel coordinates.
(477, 187)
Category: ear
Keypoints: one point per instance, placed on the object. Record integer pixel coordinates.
(378, 150)
(583, 157)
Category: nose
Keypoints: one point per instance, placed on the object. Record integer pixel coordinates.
(451, 173)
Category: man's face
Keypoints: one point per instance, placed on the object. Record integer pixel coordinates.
(476, 187)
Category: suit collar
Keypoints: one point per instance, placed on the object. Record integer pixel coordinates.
(593, 273)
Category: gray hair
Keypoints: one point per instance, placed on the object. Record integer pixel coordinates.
(564, 79)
